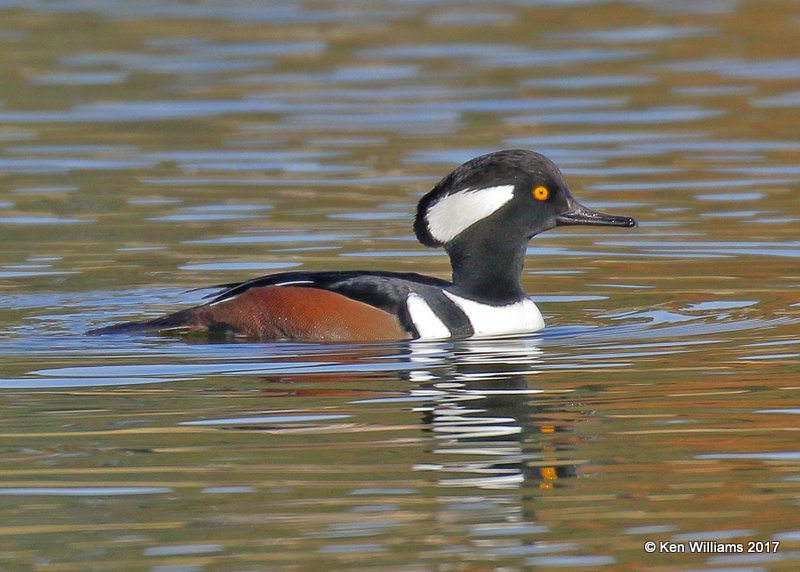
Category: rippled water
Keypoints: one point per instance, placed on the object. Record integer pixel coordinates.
(151, 148)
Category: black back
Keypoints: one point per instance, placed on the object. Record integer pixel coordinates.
(385, 290)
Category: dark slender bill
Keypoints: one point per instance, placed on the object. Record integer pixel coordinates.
(579, 214)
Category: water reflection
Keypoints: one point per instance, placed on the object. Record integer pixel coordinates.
(483, 406)
(490, 429)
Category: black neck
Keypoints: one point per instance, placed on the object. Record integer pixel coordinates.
(487, 269)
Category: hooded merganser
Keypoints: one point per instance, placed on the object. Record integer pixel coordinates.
(483, 214)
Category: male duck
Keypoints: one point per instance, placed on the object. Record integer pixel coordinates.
(483, 214)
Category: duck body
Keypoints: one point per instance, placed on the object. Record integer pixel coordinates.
(342, 306)
(483, 214)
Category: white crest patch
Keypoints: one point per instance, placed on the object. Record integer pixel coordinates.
(428, 325)
(453, 214)
(517, 318)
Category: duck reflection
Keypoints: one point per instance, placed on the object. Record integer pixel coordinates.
(491, 427)
(497, 435)
(484, 413)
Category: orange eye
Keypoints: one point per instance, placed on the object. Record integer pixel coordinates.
(541, 193)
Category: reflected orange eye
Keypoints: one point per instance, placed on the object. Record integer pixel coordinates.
(541, 193)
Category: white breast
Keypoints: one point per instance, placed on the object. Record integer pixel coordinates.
(517, 318)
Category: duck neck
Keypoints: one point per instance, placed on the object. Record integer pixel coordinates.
(487, 270)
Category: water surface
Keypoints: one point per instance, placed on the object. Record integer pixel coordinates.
(149, 149)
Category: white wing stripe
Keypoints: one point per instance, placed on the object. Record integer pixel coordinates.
(428, 325)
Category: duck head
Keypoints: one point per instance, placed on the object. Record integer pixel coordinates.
(485, 212)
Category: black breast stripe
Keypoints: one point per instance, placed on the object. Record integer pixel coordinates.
(446, 310)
